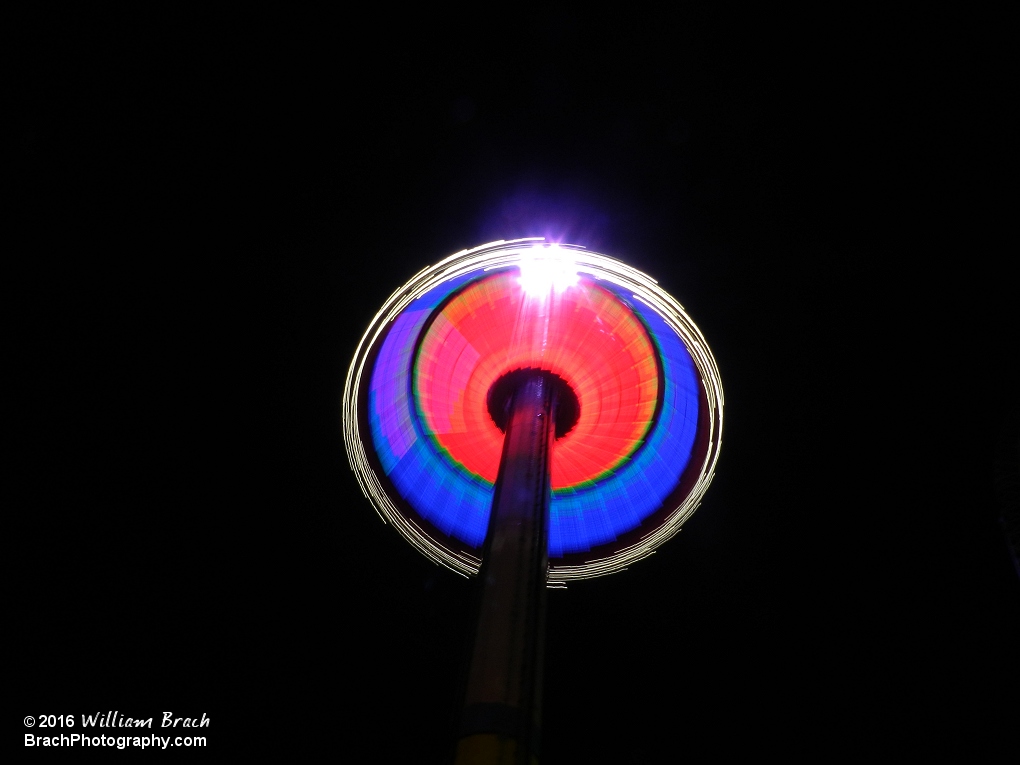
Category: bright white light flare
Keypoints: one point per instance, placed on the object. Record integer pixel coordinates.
(545, 269)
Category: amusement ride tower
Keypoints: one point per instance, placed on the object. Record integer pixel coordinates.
(532, 413)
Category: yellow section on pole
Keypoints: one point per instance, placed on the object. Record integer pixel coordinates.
(488, 749)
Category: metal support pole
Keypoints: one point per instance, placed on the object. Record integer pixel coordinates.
(500, 720)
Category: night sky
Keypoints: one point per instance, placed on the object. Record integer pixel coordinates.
(216, 210)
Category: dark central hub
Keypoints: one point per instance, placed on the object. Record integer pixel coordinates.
(568, 408)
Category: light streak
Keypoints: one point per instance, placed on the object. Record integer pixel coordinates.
(628, 486)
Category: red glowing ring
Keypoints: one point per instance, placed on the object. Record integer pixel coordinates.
(585, 334)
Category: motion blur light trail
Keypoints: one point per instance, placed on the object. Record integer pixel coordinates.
(426, 450)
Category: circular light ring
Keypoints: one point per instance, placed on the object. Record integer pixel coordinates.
(584, 334)
(599, 523)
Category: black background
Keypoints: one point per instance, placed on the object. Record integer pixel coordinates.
(216, 207)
